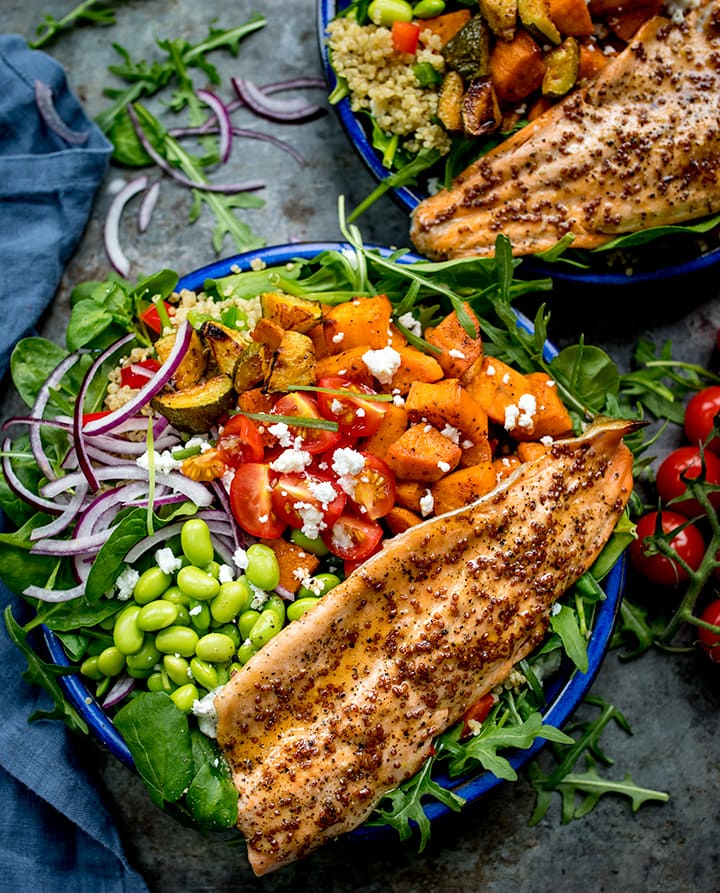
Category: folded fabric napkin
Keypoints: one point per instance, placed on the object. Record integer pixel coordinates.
(55, 832)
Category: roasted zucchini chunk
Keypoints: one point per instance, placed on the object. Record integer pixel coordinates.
(290, 312)
(480, 108)
(252, 366)
(449, 110)
(293, 363)
(197, 408)
(561, 68)
(192, 366)
(501, 16)
(468, 52)
(225, 344)
(535, 16)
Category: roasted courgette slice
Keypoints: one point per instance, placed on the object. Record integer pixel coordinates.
(197, 408)
(449, 110)
(468, 52)
(293, 363)
(480, 108)
(290, 312)
(561, 68)
(225, 345)
(252, 366)
(535, 16)
(192, 366)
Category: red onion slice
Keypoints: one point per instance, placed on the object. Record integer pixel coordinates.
(49, 114)
(147, 206)
(111, 231)
(38, 409)
(20, 490)
(224, 124)
(148, 391)
(63, 520)
(244, 133)
(54, 595)
(281, 110)
(120, 689)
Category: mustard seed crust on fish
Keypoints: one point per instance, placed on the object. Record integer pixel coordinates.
(637, 147)
(343, 704)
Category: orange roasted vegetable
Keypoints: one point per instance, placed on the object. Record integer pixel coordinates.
(516, 67)
(459, 349)
(463, 486)
(422, 454)
(357, 323)
(572, 17)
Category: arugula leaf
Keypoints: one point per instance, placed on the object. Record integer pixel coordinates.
(564, 622)
(85, 12)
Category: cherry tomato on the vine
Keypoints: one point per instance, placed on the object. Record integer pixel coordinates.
(240, 441)
(688, 462)
(687, 543)
(709, 640)
(700, 417)
(251, 501)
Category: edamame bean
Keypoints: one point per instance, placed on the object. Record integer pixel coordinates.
(229, 629)
(314, 546)
(197, 583)
(145, 658)
(246, 621)
(157, 615)
(427, 9)
(223, 672)
(276, 604)
(215, 647)
(184, 696)
(324, 583)
(89, 667)
(175, 595)
(300, 606)
(151, 585)
(199, 613)
(155, 682)
(233, 598)
(266, 626)
(205, 673)
(213, 568)
(127, 635)
(385, 12)
(262, 568)
(245, 652)
(177, 668)
(177, 640)
(111, 661)
(196, 542)
(183, 617)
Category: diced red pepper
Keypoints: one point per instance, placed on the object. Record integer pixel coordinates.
(151, 317)
(405, 36)
(91, 416)
(129, 378)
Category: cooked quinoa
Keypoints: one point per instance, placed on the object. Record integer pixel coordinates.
(382, 82)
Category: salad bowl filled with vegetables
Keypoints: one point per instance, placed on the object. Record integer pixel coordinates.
(452, 104)
(225, 472)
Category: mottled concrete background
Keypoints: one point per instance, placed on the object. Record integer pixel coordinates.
(670, 700)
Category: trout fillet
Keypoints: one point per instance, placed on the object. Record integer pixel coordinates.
(635, 148)
(343, 704)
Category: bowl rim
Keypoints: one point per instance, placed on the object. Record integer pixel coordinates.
(408, 198)
(564, 693)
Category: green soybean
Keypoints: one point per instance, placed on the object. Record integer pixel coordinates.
(184, 696)
(157, 615)
(151, 585)
(231, 630)
(145, 658)
(89, 667)
(428, 9)
(325, 582)
(177, 640)
(197, 583)
(300, 606)
(215, 647)
(212, 568)
(246, 621)
(266, 627)
(127, 635)
(204, 673)
(183, 617)
(177, 668)
(276, 604)
(223, 672)
(315, 546)
(233, 598)
(262, 568)
(175, 595)
(196, 542)
(111, 661)
(245, 652)
(155, 682)
(385, 12)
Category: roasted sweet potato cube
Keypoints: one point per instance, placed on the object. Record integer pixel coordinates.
(516, 67)
(267, 332)
(552, 418)
(400, 519)
(295, 563)
(349, 364)
(409, 495)
(423, 454)
(393, 424)
(362, 321)
(447, 24)
(459, 349)
(572, 17)
(504, 466)
(414, 366)
(497, 386)
(447, 403)
(463, 486)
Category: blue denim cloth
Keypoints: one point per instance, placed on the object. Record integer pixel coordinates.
(55, 832)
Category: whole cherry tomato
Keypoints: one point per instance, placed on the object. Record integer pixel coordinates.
(687, 543)
(687, 461)
(700, 417)
(710, 641)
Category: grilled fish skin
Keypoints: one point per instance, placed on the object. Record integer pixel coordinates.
(637, 147)
(343, 704)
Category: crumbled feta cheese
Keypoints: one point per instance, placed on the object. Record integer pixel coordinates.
(456, 354)
(126, 583)
(408, 321)
(204, 709)
(451, 433)
(259, 597)
(521, 415)
(195, 610)
(309, 582)
(506, 378)
(225, 574)
(323, 491)
(312, 519)
(240, 559)
(291, 460)
(340, 538)
(382, 363)
(163, 463)
(346, 460)
(444, 466)
(427, 504)
(281, 433)
(167, 561)
(338, 337)
(198, 442)
(490, 369)
(546, 440)
(336, 407)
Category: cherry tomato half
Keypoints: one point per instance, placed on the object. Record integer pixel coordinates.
(710, 641)
(251, 501)
(477, 712)
(375, 489)
(355, 416)
(301, 406)
(351, 538)
(700, 417)
(687, 543)
(687, 461)
(300, 497)
(240, 441)
(130, 377)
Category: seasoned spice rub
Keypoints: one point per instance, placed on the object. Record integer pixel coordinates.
(343, 704)
(637, 147)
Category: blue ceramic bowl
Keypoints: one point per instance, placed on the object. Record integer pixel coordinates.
(564, 691)
(408, 197)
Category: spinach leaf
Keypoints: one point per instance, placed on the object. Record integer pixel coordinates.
(212, 797)
(111, 558)
(565, 624)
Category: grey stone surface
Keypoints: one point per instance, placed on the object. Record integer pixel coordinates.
(670, 700)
